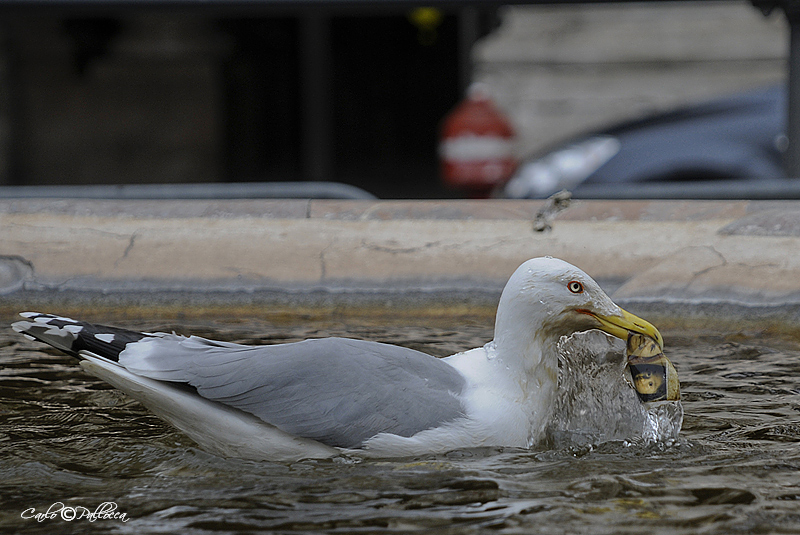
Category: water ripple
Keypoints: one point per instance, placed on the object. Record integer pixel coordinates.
(67, 437)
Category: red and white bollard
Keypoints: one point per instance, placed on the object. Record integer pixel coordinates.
(477, 145)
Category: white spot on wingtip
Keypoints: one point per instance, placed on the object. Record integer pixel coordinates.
(105, 337)
(55, 331)
(62, 318)
(22, 326)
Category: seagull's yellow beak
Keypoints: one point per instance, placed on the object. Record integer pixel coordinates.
(620, 326)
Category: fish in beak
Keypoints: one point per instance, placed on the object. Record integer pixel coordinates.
(652, 374)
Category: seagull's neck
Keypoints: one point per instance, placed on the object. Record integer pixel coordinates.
(525, 349)
(522, 336)
(527, 356)
(528, 351)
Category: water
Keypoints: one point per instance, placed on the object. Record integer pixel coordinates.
(735, 468)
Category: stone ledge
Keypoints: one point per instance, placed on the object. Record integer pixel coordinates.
(686, 253)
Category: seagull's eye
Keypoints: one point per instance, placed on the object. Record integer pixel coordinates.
(575, 287)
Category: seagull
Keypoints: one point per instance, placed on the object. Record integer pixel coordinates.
(329, 397)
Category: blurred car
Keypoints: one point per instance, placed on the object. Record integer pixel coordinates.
(723, 148)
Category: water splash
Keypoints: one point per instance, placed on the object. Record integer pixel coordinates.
(491, 350)
(596, 404)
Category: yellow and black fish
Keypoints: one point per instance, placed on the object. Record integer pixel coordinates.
(653, 375)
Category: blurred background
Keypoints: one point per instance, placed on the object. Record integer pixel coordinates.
(359, 93)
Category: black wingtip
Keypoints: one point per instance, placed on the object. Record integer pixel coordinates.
(72, 337)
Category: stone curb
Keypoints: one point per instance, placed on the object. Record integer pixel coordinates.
(654, 253)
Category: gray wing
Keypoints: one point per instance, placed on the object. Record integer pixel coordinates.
(335, 390)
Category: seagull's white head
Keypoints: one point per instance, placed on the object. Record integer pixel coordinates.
(547, 298)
